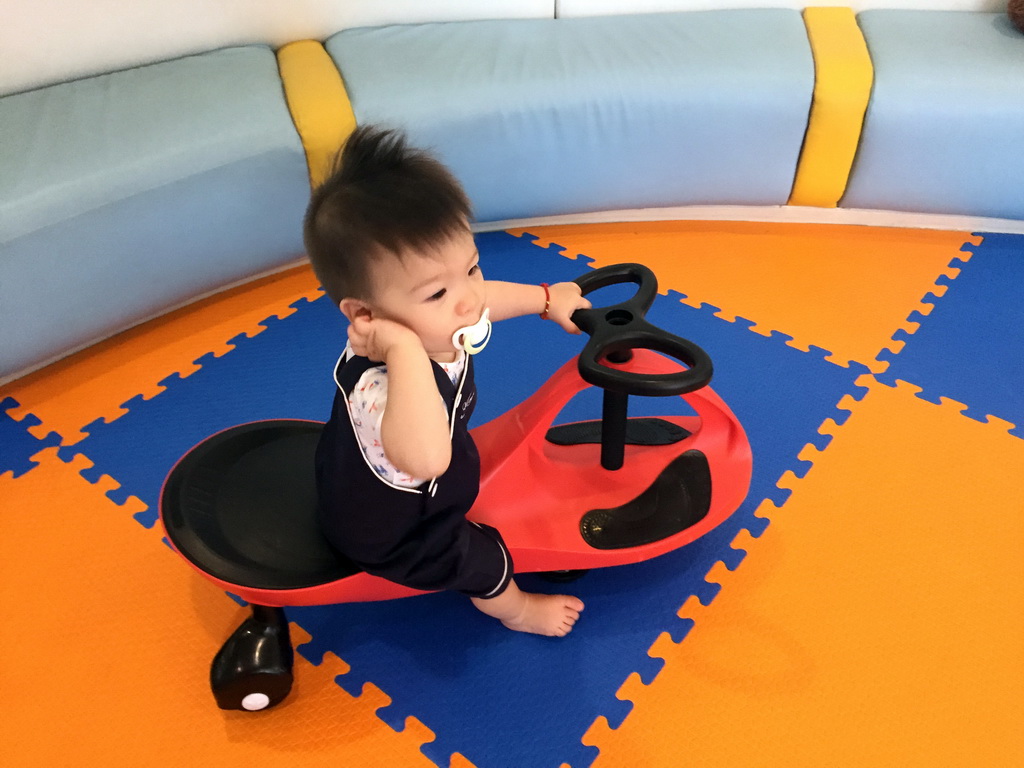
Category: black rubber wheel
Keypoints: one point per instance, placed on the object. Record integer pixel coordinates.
(563, 577)
(253, 669)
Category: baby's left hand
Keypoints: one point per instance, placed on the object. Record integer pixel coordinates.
(566, 298)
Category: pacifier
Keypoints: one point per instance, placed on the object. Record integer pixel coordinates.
(473, 338)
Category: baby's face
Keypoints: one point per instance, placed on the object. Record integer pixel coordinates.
(434, 293)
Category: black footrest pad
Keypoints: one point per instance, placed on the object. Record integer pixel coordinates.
(677, 499)
(641, 431)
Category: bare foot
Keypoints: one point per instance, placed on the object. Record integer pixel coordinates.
(551, 615)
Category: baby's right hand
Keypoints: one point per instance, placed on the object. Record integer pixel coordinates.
(374, 337)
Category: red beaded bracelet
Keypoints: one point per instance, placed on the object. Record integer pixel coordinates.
(547, 301)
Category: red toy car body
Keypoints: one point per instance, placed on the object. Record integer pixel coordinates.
(240, 507)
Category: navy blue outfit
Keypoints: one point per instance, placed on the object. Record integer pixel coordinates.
(417, 537)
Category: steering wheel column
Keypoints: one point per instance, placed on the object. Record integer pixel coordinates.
(615, 331)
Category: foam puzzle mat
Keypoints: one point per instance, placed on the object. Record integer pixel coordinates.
(864, 606)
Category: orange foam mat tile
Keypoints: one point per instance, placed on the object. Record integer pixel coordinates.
(879, 619)
(846, 289)
(95, 382)
(106, 645)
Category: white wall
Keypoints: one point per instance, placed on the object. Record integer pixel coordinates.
(570, 8)
(46, 41)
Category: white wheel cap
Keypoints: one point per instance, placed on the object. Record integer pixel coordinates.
(254, 702)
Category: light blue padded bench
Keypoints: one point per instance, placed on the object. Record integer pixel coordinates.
(944, 131)
(126, 194)
(554, 116)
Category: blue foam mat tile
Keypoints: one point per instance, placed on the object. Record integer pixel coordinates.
(17, 444)
(284, 372)
(968, 347)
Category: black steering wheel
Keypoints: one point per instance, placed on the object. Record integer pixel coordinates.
(617, 329)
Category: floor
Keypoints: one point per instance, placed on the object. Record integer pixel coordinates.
(863, 607)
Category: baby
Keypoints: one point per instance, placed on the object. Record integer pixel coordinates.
(389, 239)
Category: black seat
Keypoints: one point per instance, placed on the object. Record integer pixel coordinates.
(242, 507)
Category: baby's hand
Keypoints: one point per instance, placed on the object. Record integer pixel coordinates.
(566, 298)
(374, 337)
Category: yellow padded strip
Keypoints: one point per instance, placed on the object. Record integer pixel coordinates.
(842, 88)
(318, 101)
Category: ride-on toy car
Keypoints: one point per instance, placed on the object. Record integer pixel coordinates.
(240, 507)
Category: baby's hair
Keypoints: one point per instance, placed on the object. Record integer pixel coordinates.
(382, 197)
